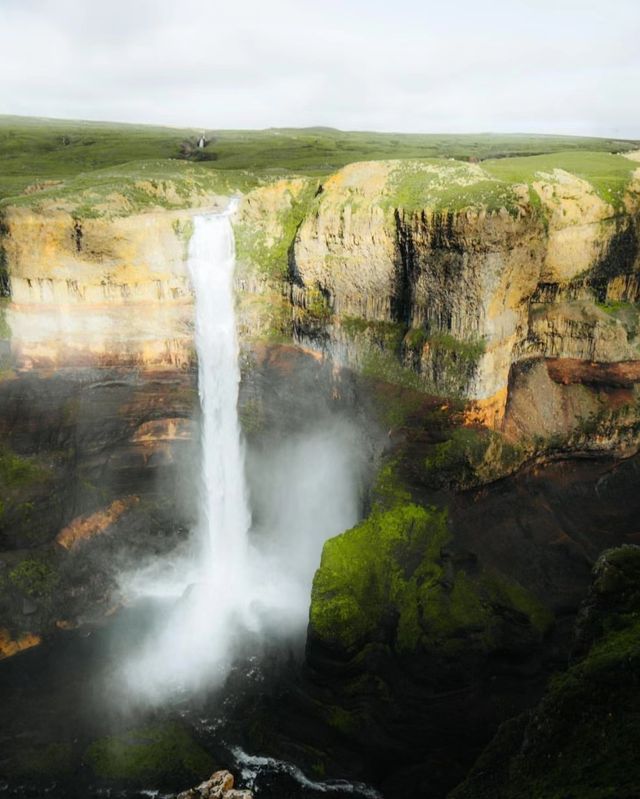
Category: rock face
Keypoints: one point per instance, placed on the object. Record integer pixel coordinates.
(95, 292)
(553, 274)
(429, 626)
(436, 273)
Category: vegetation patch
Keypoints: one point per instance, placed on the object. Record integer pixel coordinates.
(16, 471)
(448, 186)
(609, 174)
(35, 578)
(150, 755)
(472, 456)
(386, 335)
(581, 739)
(390, 580)
(268, 246)
(447, 364)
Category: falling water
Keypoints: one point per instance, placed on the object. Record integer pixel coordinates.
(225, 516)
(238, 594)
(196, 643)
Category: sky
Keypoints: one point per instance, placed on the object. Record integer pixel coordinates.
(548, 66)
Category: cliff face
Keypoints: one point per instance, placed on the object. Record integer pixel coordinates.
(552, 273)
(514, 301)
(96, 291)
(452, 289)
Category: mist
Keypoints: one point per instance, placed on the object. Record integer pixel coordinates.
(241, 582)
(303, 490)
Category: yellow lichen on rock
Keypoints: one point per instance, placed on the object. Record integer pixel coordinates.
(580, 225)
(88, 526)
(10, 646)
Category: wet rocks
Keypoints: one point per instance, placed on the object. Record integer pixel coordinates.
(218, 786)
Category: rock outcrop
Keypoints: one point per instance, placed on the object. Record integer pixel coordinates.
(553, 272)
(218, 786)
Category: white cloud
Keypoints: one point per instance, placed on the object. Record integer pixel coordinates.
(413, 65)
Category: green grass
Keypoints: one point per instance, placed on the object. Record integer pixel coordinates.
(447, 186)
(34, 151)
(608, 174)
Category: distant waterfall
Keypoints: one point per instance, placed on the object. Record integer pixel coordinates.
(224, 509)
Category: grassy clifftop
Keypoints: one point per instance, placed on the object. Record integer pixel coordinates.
(59, 158)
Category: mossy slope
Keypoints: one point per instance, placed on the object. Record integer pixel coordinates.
(392, 579)
(581, 741)
(157, 754)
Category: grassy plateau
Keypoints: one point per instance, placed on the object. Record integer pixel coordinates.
(88, 162)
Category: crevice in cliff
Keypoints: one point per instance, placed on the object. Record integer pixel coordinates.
(618, 261)
(5, 281)
(78, 235)
(405, 272)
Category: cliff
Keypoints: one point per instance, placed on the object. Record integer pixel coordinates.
(469, 274)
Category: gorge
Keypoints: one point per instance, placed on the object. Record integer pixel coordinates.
(433, 364)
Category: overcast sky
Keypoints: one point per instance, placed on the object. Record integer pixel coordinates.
(405, 65)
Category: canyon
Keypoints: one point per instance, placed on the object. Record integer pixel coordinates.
(481, 335)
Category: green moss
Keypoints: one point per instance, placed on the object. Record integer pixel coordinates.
(385, 366)
(34, 578)
(149, 754)
(448, 364)
(16, 470)
(388, 489)
(270, 254)
(581, 740)
(416, 338)
(387, 335)
(317, 309)
(467, 351)
(389, 579)
(470, 456)
(340, 719)
(362, 577)
(506, 593)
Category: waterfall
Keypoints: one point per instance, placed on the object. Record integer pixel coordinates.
(236, 595)
(224, 510)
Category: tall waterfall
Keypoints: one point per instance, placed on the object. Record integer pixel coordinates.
(225, 515)
(235, 594)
